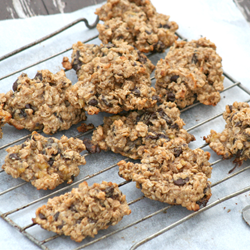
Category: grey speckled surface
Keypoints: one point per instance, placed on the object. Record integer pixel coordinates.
(217, 228)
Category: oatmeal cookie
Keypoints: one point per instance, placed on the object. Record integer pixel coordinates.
(174, 174)
(83, 211)
(190, 71)
(45, 162)
(111, 79)
(234, 140)
(130, 134)
(137, 23)
(41, 103)
(85, 53)
(4, 115)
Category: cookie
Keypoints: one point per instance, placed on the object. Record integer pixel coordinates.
(173, 173)
(136, 23)
(130, 134)
(83, 211)
(45, 162)
(4, 115)
(85, 53)
(41, 104)
(111, 79)
(234, 140)
(191, 71)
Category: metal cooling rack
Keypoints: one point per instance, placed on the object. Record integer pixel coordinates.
(9, 216)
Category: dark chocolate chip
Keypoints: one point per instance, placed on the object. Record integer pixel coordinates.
(159, 46)
(28, 106)
(162, 136)
(42, 216)
(50, 140)
(14, 86)
(170, 97)
(181, 182)
(109, 191)
(202, 202)
(136, 91)
(156, 97)
(165, 116)
(51, 162)
(39, 76)
(134, 64)
(230, 107)
(138, 118)
(78, 221)
(175, 126)
(177, 151)
(120, 37)
(194, 58)
(93, 102)
(239, 153)
(206, 189)
(109, 223)
(153, 137)
(90, 147)
(77, 64)
(58, 152)
(106, 102)
(56, 215)
(166, 26)
(247, 136)
(153, 115)
(90, 220)
(174, 78)
(238, 124)
(148, 32)
(73, 208)
(60, 227)
(147, 117)
(72, 177)
(22, 113)
(14, 157)
(142, 58)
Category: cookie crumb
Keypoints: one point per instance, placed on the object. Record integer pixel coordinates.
(85, 127)
(66, 63)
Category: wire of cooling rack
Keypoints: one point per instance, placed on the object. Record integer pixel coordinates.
(43, 242)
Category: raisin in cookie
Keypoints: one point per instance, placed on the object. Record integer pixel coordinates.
(41, 103)
(191, 71)
(111, 79)
(174, 174)
(4, 115)
(130, 134)
(83, 211)
(234, 140)
(45, 162)
(137, 23)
